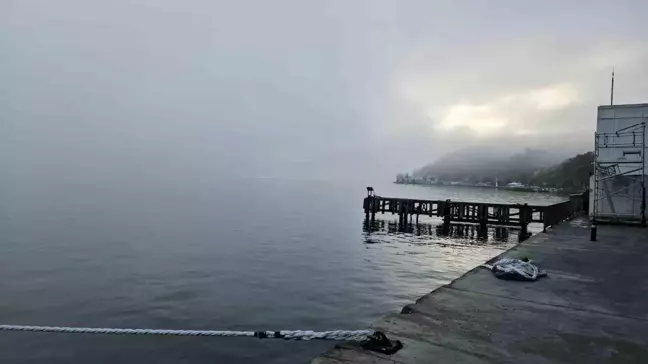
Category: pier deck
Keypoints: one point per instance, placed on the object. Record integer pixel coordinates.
(592, 307)
(481, 213)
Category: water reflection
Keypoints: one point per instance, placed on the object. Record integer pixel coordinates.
(377, 231)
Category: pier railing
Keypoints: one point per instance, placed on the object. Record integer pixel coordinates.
(475, 212)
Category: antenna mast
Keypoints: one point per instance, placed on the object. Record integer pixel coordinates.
(612, 89)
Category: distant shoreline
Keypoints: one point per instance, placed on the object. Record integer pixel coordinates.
(508, 188)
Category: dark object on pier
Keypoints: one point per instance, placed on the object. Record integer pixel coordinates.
(474, 212)
(379, 342)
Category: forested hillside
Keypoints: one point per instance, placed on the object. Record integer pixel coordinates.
(530, 167)
(572, 174)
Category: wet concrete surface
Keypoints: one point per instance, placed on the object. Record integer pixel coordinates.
(592, 307)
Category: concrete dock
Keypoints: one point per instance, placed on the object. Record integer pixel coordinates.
(592, 307)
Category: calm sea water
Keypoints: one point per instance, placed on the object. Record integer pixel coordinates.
(243, 254)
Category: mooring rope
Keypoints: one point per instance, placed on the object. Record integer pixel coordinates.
(340, 335)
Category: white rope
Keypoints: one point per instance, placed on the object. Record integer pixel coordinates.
(340, 335)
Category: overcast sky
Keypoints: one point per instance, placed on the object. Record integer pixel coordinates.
(304, 88)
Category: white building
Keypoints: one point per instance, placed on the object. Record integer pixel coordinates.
(618, 183)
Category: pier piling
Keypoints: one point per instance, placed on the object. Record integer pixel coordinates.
(480, 213)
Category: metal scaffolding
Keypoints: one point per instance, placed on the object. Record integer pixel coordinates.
(619, 175)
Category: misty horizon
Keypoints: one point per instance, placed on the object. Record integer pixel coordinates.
(296, 89)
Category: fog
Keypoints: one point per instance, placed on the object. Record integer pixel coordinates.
(303, 89)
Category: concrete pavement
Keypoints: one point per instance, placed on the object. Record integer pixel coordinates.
(592, 307)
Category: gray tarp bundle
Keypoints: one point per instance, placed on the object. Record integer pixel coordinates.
(515, 269)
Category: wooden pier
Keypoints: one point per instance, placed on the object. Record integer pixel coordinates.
(484, 214)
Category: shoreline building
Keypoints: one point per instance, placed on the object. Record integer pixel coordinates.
(618, 182)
